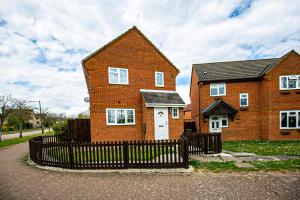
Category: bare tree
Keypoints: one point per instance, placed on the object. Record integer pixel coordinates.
(6, 103)
(23, 112)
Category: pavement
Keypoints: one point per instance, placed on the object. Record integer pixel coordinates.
(241, 159)
(21, 181)
(17, 135)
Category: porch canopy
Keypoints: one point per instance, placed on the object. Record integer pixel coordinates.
(162, 98)
(219, 107)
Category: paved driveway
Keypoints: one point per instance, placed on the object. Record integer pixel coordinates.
(19, 181)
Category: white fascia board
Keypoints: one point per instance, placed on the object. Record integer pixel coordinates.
(161, 91)
(165, 105)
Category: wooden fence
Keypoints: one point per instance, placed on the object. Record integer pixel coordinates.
(54, 151)
(79, 130)
(203, 143)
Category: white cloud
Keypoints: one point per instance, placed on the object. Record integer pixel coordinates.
(188, 32)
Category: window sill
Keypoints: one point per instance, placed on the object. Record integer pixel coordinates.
(285, 92)
(118, 83)
(244, 108)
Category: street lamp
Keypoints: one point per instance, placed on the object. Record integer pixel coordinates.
(40, 115)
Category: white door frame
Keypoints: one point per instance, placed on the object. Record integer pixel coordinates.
(215, 124)
(161, 123)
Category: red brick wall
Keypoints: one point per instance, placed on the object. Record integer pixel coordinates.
(261, 120)
(194, 99)
(141, 59)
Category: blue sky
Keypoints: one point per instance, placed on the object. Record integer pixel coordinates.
(43, 42)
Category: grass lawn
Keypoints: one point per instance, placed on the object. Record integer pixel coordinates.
(284, 165)
(10, 142)
(265, 148)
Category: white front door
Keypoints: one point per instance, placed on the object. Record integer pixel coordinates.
(161, 127)
(214, 124)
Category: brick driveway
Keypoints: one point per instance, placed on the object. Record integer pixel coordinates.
(19, 181)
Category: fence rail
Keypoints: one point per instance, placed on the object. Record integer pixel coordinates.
(201, 143)
(57, 152)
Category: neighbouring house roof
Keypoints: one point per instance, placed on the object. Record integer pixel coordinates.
(233, 70)
(187, 108)
(116, 39)
(161, 98)
(219, 107)
(247, 69)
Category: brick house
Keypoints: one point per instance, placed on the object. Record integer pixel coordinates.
(132, 90)
(187, 117)
(248, 100)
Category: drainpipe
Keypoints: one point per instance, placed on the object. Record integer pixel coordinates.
(199, 109)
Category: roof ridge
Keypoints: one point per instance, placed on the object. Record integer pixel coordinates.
(234, 61)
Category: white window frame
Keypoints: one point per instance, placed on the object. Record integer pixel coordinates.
(247, 97)
(222, 117)
(126, 117)
(173, 116)
(289, 77)
(217, 85)
(163, 81)
(119, 76)
(287, 116)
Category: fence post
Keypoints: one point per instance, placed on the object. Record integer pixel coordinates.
(125, 154)
(186, 153)
(219, 143)
(205, 137)
(70, 149)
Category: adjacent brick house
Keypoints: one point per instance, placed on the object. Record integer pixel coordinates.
(248, 100)
(187, 116)
(132, 89)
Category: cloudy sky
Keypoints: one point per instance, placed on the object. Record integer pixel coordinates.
(43, 42)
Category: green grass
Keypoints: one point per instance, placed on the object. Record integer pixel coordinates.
(10, 142)
(283, 165)
(265, 148)
(108, 155)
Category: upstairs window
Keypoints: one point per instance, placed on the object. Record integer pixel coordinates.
(290, 119)
(244, 100)
(217, 89)
(159, 79)
(117, 75)
(289, 82)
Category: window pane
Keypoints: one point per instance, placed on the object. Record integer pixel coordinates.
(244, 102)
(175, 113)
(111, 116)
(214, 91)
(123, 76)
(159, 79)
(113, 75)
(283, 119)
(120, 117)
(292, 83)
(299, 82)
(130, 116)
(283, 82)
(292, 121)
(224, 122)
(221, 89)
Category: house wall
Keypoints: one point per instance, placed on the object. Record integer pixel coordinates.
(275, 101)
(194, 99)
(246, 124)
(261, 120)
(187, 116)
(141, 59)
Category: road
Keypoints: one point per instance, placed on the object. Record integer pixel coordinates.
(16, 135)
(21, 181)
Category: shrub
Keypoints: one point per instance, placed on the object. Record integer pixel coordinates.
(60, 127)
